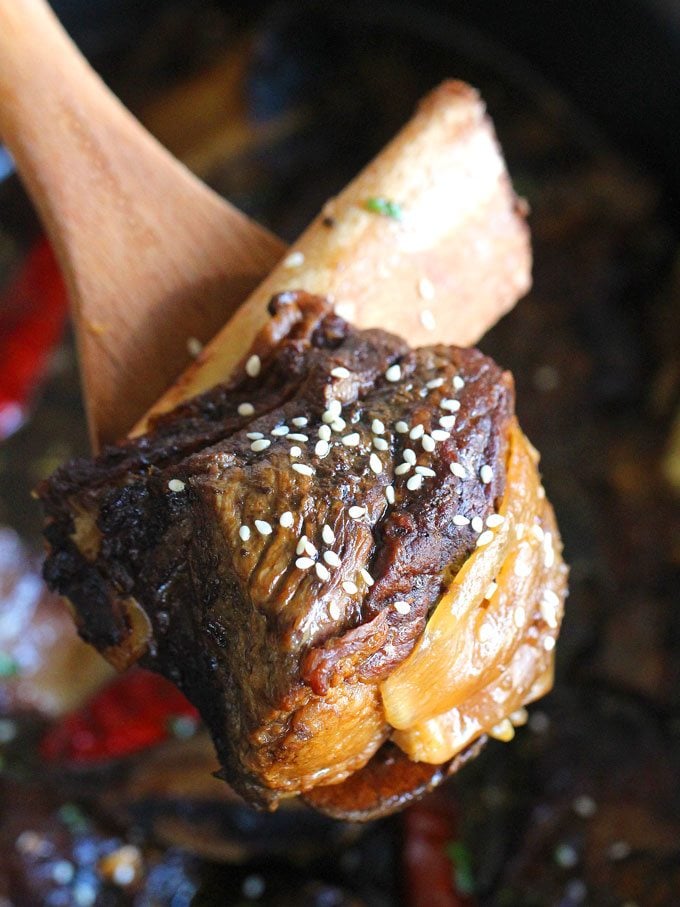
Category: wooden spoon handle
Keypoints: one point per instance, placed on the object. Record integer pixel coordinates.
(150, 255)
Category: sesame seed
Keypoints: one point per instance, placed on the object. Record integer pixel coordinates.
(303, 469)
(440, 435)
(494, 520)
(548, 613)
(325, 432)
(401, 427)
(263, 527)
(458, 470)
(426, 471)
(401, 607)
(280, 431)
(409, 456)
(434, 383)
(296, 436)
(425, 288)
(245, 409)
(416, 432)
(477, 524)
(485, 538)
(380, 444)
(540, 494)
(260, 444)
(519, 617)
(522, 569)
(368, 579)
(393, 373)
(286, 519)
(491, 590)
(486, 474)
(458, 383)
(350, 587)
(537, 532)
(338, 425)
(176, 485)
(356, 512)
(331, 558)
(352, 440)
(519, 717)
(551, 597)
(447, 422)
(548, 551)
(485, 632)
(301, 545)
(244, 533)
(334, 610)
(427, 320)
(377, 427)
(460, 520)
(403, 468)
(300, 421)
(340, 372)
(322, 572)
(295, 451)
(414, 483)
(375, 463)
(309, 549)
(451, 406)
(428, 443)
(321, 448)
(519, 530)
(503, 731)
(194, 347)
(294, 260)
(254, 435)
(548, 643)
(253, 366)
(389, 494)
(333, 410)
(304, 563)
(327, 534)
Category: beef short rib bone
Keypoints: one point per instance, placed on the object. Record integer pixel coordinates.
(277, 546)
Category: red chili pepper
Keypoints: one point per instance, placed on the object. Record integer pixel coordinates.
(33, 311)
(132, 713)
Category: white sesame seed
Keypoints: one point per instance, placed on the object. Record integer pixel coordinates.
(309, 549)
(325, 432)
(548, 643)
(254, 435)
(327, 534)
(485, 632)
(401, 427)
(458, 383)
(494, 520)
(303, 469)
(426, 471)
(294, 260)
(340, 372)
(503, 731)
(458, 470)
(519, 717)
(519, 616)
(491, 590)
(460, 520)
(352, 440)
(338, 425)
(389, 494)
(414, 483)
(477, 524)
(440, 435)
(428, 443)
(300, 421)
(551, 597)
(263, 527)
(485, 538)
(425, 288)
(280, 431)
(486, 474)
(245, 409)
(375, 463)
(261, 444)
(334, 611)
(295, 451)
(380, 444)
(522, 569)
(356, 512)
(377, 427)
(537, 532)
(403, 468)
(286, 519)
(322, 572)
(368, 579)
(304, 563)
(334, 409)
(519, 530)
(296, 436)
(434, 383)
(244, 533)
(350, 587)
(331, 558)
(548, 551)
(401, 607)
(409, 456)
(451, 406)
(176, 485)
(447, 422)
(427, 320)
(393, 373)
(253, 366)
(548, 613)
(300, 548)
(194, 347)
(321, 448)
(417, 432)
(540, 494)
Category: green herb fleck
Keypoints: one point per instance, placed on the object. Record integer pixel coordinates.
(461, 858)
(384, 206)
(8, 666)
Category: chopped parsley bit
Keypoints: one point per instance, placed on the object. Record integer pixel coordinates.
(384, 206)
(461, 858)
(8, 666)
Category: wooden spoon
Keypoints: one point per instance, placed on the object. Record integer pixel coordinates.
(150, 255)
